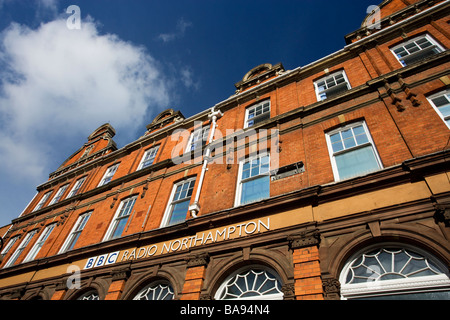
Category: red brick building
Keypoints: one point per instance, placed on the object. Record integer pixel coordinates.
(328, 181)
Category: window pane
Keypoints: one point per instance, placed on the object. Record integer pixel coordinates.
(255, 190)
(356, 162)
(179, 212)
(119, 228)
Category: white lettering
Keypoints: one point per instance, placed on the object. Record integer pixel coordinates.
(246, 227)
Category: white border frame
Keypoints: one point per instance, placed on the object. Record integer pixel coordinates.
(145, 153)
(66, 186)
(73, 188)
(444, 92)
(404, 43)
(392, 287)
(316, 88)
(254, 106)
(66, 242)
(108, 233)
(238, 196)
(276, 296)
(34, 250)
(332, 154)
(106, 172)
(165, 219)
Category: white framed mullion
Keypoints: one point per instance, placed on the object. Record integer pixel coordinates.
(414, 40)
(316, 87)
(39, 243)
(116, 218)
(168, 212)
(83, 218)
(240, 182)
(21, 248)
(333, 154)
(446, 94)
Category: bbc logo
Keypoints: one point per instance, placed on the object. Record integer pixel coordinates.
(102, 260)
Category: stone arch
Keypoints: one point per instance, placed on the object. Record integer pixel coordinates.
(334, 257)
(99, 285)
(139, 281)
(218, 271)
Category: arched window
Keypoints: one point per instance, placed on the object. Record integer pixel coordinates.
(160, 290)
(251, 283)
(394, 272)
(90, 295)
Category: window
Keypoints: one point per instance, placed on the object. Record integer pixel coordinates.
(20, 249)
(76, 187)
(59, 194)
(416, 49)
(9, 245)
(75, 233)
(254, 283)
(331, 85)
(161, 290)
(253, 180)
(39, 243)
(148, 158)
(394, 272)
(197, 139)
(352, 151)
(90, 295)
(441, 103)
(178, 207)
(107, 177)
(257, 113)
(120, 219)
(43, 201)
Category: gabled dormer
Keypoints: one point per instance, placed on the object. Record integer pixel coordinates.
(259, 74)
(99, 143)
(165, 118)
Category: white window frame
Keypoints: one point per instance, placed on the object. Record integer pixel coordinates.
(75, 232)
(109, 174)
(59, 194)
(10, 244)
(405, 43)
(204, 132)
(44, 199)
(325, 78)
(168, 213)
(40, 242)
(150, 154)
(273, 296)
(396, 287)
(333, 154)
(240, 181)
(12, 260)
(261, 104)
(445, 93)
(116, 219)
(76, 187)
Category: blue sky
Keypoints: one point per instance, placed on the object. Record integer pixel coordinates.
(132, 59)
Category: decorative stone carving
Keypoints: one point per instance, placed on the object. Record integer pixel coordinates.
(288, 291)
(304, 239)
(331, 289)
(201, 259)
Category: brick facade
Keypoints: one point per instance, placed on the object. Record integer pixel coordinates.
(408, 135)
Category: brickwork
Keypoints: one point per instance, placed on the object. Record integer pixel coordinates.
(115, 290)
(307, 275)
(193, 283)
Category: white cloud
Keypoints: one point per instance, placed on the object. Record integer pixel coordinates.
(60, 83)
(181, 27)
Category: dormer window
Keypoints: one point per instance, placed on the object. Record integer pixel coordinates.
(416, 49)
(331, 85)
